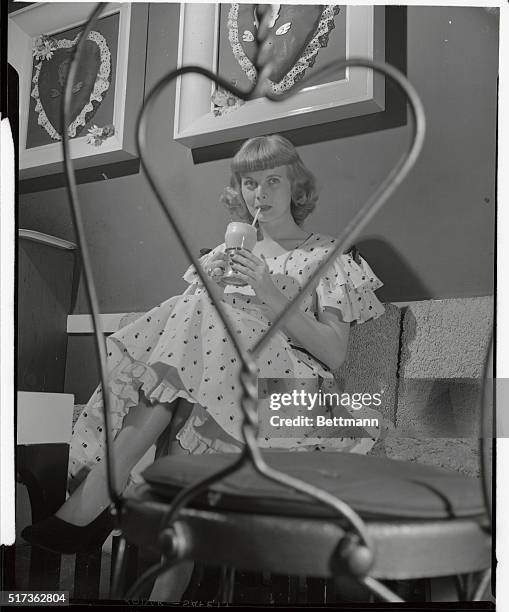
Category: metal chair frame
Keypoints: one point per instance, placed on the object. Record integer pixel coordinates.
(349, 546)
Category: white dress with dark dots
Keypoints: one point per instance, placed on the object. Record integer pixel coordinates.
(180, 349)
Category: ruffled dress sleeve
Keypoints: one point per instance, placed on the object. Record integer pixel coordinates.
(348, 286)
(191, 276)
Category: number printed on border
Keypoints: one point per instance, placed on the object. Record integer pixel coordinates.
(34, 598)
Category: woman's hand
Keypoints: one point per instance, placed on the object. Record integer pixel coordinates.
(255, 272)
(215, 267)
(326, 338)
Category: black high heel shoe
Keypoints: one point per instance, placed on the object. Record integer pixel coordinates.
(59, 536)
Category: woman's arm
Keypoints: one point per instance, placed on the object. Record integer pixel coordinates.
(326, 339)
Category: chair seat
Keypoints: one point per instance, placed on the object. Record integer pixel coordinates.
(305, 546)
(377, 488)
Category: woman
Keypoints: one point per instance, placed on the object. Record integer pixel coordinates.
(179, 353)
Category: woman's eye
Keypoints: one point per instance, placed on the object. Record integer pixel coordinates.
(249, 184)
(273, 181)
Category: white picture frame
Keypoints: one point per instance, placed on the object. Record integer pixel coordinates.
(362, 92)
(38, 19)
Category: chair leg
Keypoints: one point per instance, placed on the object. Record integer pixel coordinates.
(124, 566)
(227, 585)
(483, 590)
(348, 589)
(119, 563)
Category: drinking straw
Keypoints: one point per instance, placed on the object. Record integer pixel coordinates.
(256, 217)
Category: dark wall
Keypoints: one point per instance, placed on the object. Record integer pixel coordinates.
(434, 239)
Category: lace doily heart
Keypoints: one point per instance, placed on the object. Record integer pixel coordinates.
(91, 83)
(296, 34)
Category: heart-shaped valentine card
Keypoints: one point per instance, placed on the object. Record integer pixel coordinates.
(91, 83)
(296, 34)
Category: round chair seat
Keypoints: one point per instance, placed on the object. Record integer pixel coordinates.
(377, 488)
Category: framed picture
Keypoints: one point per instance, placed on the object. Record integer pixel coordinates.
(105, 97)
(221, 37)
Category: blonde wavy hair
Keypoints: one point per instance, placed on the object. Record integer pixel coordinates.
(264, 153)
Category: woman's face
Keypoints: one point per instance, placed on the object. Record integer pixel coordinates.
(267, 190)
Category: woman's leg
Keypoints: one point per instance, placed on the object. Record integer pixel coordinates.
(170, 585)
(142, 426)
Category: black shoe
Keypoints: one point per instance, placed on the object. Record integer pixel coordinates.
(59, 536)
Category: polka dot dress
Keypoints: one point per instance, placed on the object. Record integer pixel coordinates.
(180, 349)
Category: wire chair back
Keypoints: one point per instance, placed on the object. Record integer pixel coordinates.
(360, 555)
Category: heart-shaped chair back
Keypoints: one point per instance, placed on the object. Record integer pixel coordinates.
(267, 39)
